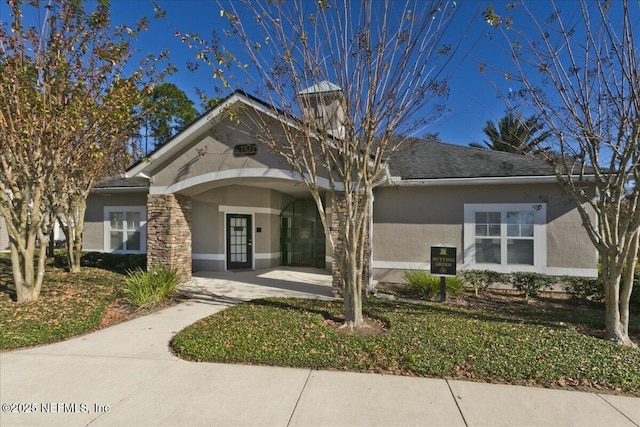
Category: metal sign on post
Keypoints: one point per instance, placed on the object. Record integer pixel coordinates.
(443, 264)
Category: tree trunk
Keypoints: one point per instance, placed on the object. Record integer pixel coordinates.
(352, 290)
(352, 260)
(616, 330)
(72, 226)
(74, 251)
(627, 284)
(75, 257)
(50, 246)
(27, 277)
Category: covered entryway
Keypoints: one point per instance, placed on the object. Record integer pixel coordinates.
(221, 200)
(302, 239)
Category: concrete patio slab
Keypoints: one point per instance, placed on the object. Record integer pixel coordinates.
(246, 285)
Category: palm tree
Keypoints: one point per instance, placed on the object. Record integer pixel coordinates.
(514, 135)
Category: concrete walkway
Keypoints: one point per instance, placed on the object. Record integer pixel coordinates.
(126, 376)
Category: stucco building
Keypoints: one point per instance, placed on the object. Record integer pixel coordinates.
(215, 198)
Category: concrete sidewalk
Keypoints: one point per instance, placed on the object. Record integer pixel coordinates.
(125, 375)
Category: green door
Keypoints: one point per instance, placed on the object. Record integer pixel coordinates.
(302, 240)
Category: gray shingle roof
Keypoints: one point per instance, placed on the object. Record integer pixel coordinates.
(424, 159)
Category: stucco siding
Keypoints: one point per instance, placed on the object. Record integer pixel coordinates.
(209, 210)
(568, 242)
(207, 226)
(213, 152)
(93, 233)
(408, 220)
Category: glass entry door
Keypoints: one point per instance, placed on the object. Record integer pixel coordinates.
(239, 241)
(302, 241)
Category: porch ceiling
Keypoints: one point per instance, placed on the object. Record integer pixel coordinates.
(293, 188)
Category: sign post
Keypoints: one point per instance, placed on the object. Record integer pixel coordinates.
(443, 264)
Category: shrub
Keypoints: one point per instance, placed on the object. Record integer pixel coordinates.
(482, 279)
(145, 289)
(454, 286)
(60, 259)
(591, 289)
(426, 285)
(119, 263)
(584, 288)
(114, 262)
(531, 283)
(421, 282)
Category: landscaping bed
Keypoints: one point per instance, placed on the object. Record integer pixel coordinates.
(69, 304)
(541, 342)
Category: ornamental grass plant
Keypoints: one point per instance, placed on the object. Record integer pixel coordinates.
(144, 289)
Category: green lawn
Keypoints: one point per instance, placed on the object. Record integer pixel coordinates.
(547, 345)
(70, 304)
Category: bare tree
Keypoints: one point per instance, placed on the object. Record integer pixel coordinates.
(65, 115)
(346, 77)
(579, 71)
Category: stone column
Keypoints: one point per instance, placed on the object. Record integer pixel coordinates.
(169, 231)
(338, 213)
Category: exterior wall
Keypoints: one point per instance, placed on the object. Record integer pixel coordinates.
(435, 215)
(94, 221)
(169, 232)
(4, 236)
(213, 153)
(209, 222)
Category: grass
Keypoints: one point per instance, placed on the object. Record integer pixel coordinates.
(69, 305)
(522, 344)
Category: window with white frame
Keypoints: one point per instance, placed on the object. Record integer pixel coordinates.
(505, 236)
(125, 229)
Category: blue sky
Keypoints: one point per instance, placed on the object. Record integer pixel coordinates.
(473, 99)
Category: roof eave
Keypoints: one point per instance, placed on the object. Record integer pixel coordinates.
(490, 180)
(120, 190)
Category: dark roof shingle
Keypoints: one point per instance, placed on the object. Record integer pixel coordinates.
(425, 159)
